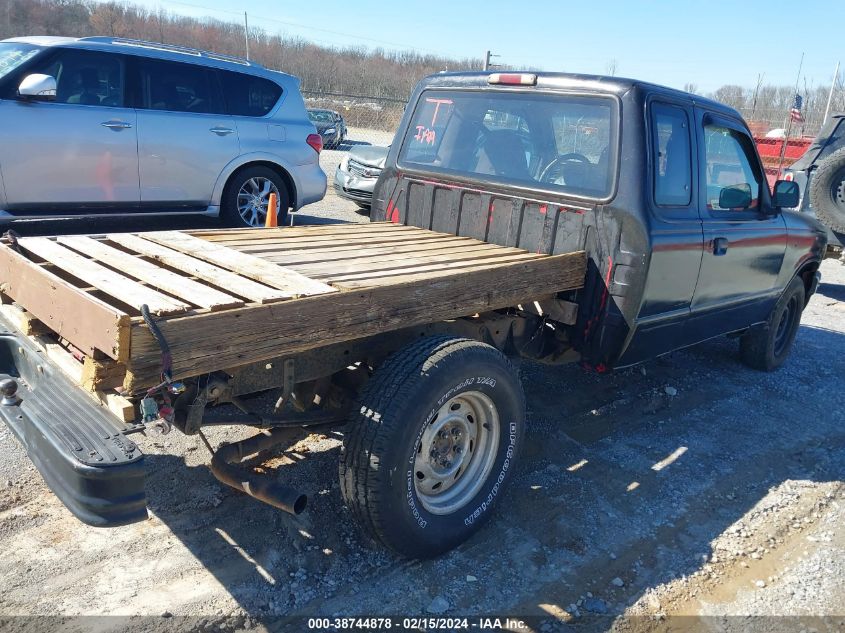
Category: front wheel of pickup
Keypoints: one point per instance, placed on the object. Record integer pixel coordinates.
(431, 444)
(766, 348)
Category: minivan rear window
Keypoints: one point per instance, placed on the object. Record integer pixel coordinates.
(247, 95)
(562, 143)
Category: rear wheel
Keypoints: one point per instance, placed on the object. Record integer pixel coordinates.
(247, 197)
(827, 191)
(766, 348)
(432, 444)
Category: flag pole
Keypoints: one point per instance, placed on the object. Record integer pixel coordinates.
(830, 95)
(789, 120)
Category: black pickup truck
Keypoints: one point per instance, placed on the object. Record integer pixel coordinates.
(552, 217)
(664, 190)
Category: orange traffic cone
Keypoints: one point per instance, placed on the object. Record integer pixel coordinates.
(272, 217)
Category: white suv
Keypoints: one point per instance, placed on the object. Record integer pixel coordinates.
(98, 126)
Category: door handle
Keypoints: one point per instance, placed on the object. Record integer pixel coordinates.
(222, 131)
(720, 245)
(116, 125)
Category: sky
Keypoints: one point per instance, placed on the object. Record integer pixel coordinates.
(708, 43)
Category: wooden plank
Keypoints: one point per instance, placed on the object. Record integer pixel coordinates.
(340, 253)
(322, 241)
(339, 228)
(114, 284)
(25, 322)
(263, 332)
(122, 408)
(62, 358)
(186, 289)
(221, 277)
(87, 322)
(284, 279)
(453, 255)
(97, 374)
(401, 271)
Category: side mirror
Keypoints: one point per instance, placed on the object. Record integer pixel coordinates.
(38, 87)
(786, 194)
(735, 196)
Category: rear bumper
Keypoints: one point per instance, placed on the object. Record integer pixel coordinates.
(76, 444)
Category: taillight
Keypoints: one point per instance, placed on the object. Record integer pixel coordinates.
(315, 141)
(513, 79)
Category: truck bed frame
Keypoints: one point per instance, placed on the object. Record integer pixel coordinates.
(225, 299)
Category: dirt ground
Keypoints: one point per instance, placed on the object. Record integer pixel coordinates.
(690, 486)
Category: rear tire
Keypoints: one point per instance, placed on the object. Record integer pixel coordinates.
(246, 197)
(827, 191)
(766, 348)
(431, 444)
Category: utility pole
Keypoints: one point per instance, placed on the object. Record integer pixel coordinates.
(487, 58)
(246, 34)
(830, 95)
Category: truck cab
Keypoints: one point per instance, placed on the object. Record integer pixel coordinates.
(664, 190)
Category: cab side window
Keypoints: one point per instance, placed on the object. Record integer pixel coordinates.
(86, 78)
(730, 164)
(672, 156)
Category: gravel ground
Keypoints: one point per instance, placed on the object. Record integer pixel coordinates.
(690, 486)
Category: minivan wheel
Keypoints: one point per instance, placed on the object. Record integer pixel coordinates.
(766, 348)
(431, 444)
(247, 197)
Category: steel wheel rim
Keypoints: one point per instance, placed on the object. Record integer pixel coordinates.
(456, 452)
(785, 326)
(254, 199)
(838, 190)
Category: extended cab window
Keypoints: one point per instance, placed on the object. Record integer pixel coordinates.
(557, 142)
(176, 87)
(672, 157)
(730, 163)
(247, 95)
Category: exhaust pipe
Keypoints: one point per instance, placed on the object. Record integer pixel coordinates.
(224, 467)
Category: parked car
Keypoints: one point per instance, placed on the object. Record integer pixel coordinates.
(101, 125)
(330, 125)
(820, 172)
(358, 172)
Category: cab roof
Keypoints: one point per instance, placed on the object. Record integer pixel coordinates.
(617, 86)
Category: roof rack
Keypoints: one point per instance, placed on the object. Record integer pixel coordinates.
(172, 48)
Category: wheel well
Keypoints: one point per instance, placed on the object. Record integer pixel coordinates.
(284, 175)
(806, 274)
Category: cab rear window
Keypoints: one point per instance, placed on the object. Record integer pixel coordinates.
(561, 143)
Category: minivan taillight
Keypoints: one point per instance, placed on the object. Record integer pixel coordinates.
(315, 141)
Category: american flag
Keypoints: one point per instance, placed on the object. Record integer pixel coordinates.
(795, 111)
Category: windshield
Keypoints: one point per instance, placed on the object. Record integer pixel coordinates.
(561, 143)
(321, 116)
(13, 54)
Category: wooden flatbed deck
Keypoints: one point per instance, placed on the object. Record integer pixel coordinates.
(225, 298)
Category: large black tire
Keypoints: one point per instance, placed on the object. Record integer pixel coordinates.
(827, 191)
(229, 212)
(415, 397)
(766, 348)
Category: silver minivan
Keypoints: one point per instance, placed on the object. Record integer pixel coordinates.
(105, 126)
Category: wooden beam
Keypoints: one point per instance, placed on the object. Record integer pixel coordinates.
(89, 323)
(104, 279)
(220, 277)
(25, 322)
(161, 278)
(268, 273)
(262, 332)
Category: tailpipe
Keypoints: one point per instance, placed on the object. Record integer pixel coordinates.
(224, 466)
